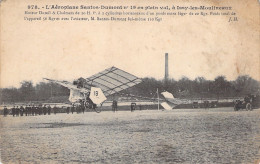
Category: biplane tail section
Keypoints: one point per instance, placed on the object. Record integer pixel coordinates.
(171, 102)
(166, 106)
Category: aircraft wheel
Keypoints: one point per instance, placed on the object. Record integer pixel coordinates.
(98, 110)
(248, 106)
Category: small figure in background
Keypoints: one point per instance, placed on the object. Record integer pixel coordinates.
(82, 108)
(114, 106)
(13, 111)
(40, 109)
(36, 112)
(21, 110)
(78, 109)
(17, 110)
(26, 110)
(72, 108)
(33, 110)
(49, 110)
(44, 110)
(5, 111)
(55, 109)
(206, 104)
(29, 110)
(133, 105)
(68, 110)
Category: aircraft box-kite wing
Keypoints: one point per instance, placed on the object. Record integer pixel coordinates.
(112, 80)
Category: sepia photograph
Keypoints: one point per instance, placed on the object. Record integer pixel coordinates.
(92, 81)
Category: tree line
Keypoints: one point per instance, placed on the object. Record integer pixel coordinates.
(200, 87)
(182, 88)
(28, 92)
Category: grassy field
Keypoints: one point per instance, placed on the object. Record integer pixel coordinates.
(217, 135)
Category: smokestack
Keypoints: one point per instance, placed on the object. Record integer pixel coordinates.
(166, 67)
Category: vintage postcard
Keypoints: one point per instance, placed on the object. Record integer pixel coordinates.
(112, 81)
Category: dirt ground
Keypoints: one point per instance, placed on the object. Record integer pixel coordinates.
(218, 135)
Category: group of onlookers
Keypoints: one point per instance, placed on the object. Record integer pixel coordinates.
(75, 108)
(33, 110)
(29, 110)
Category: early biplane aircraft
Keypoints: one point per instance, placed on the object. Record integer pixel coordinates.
(93, 91)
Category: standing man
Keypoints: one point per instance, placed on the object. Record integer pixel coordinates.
(29, 110)
(133, 105)
(44, 109)
(17, 111)
(13, 111)
(114, 106)
(49, 110)
(206, 104)
(36, 110)
(40, 109)
(247, 99)
(5, 111)
(72, 108)
(21, 110)
(33, 110)
(26, 110)
(55, 109)
(77, 108)
(68, 110)
(83, 108)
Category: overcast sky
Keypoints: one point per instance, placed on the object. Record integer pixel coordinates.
(197, 46)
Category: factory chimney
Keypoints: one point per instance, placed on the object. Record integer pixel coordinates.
(166, 67)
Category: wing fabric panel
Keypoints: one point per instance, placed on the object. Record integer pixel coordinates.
(113, 80)
(69, 85)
